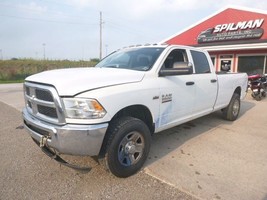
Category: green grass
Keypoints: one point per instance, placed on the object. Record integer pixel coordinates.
(15, 71)
(11, 81)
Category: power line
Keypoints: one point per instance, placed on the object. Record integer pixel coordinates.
(110, 22)
(133, 32)
(56, 14)
(71, 5)
(47, 20)
(122, 26)
(125, 29)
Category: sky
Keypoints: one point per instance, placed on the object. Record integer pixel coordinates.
(70, 29)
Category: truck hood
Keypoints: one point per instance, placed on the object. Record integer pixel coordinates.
(69, 82)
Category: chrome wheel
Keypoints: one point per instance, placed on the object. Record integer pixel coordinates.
(231, 112)
(131, 149)
(128, 146)
(236, 107)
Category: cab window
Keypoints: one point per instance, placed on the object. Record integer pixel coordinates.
(200, 62)
(177, 55)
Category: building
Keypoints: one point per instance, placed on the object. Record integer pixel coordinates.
(233, 36)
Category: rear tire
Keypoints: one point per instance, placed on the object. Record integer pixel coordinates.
(128, 146)
(231, 112)
(258, 97)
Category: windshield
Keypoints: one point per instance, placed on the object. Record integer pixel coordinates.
(141, 59)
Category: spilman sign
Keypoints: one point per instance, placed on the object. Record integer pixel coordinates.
(251, 24)
(233, 31)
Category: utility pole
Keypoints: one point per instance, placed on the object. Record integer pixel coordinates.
(44, 50)
(1, 54)
(100, 45)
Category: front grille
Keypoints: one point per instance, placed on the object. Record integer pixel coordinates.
(43, 102)
(44, 95)
(28, 91)
(50, 112)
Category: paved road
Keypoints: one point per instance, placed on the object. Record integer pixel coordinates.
(12, 95)
(215, 159)
(209, 158)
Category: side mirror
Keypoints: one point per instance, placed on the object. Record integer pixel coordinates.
(178, 68)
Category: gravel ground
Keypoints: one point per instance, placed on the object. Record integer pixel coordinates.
(26, 173)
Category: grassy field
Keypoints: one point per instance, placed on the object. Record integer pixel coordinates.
(16, 70)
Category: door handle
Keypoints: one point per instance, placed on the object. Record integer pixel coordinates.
(213, 80)
(190, 83)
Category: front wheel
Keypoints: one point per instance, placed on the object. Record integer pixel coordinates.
(128, 146)
(231, 112)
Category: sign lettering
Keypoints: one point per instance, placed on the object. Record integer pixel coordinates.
(251, 24)
(242, 30)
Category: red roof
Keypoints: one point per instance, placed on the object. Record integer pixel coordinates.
(229, 15)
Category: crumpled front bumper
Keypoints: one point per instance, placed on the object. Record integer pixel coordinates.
(80, 140)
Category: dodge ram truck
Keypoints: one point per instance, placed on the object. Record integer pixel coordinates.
(110, 111)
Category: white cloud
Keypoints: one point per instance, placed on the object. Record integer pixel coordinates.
(32, 6)
(75, 23)
(138, 9)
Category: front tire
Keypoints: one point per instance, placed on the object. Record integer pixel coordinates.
(231, 112)
(128, 146)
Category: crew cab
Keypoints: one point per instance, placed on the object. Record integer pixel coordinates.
(110, 111)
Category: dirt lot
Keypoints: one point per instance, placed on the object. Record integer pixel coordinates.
(26, 173)
(208, 158)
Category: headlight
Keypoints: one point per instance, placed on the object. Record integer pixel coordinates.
(78, 108)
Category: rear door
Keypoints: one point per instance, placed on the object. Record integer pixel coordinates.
(206, 84)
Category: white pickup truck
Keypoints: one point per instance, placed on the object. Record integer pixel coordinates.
(111, 111)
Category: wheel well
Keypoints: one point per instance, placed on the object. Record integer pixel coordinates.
(238, 91)
(137, 111)
(140, 112)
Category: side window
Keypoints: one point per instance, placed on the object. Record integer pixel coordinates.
(177, 55)
(201, 62)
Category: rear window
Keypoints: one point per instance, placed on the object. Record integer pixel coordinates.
(201, 62)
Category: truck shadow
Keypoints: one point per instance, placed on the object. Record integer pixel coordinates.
(170, 140)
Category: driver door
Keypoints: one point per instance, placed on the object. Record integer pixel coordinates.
(177, 92)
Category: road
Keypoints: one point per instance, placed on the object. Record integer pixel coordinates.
(208, 158)
(12, 95)
(26, 173)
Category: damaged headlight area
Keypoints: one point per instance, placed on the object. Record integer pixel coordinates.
(78, 108)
